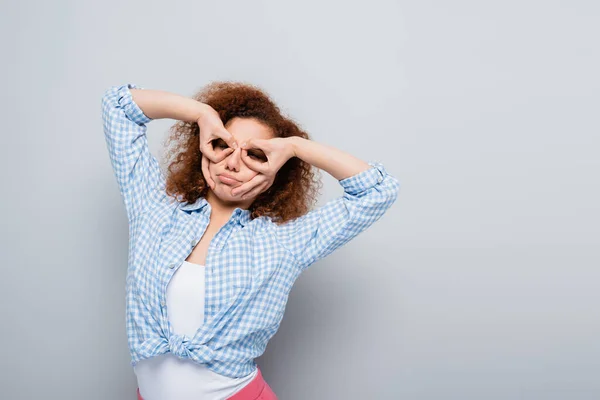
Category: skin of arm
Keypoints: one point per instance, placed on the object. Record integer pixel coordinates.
(336, 162)
(158, 104)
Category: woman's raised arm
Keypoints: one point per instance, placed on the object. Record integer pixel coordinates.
(126, 109)
(158, 104)
(334, 161)
(136, 169)
(369, 191)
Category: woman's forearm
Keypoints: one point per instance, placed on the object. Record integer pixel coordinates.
(157, 104)
(336, 162)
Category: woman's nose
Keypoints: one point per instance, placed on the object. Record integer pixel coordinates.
(233, 159)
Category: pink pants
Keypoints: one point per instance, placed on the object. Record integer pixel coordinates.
(257, 389)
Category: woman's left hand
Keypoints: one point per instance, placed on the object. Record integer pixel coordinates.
(277, 152)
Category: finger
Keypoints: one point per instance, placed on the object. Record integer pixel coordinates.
(206, 173)
(246, 187)
(204, 165)
(228, 138)
(258, 166)
(212, 155)
(254, 192)
(222, 155)
(255, 143)
(207, 151)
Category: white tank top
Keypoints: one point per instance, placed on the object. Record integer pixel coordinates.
(166, 376)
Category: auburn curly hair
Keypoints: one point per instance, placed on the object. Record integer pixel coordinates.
(295, 187)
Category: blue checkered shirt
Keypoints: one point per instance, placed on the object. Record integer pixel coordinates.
(251, 264)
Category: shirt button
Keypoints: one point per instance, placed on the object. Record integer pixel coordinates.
(173, 265)
(162, 303)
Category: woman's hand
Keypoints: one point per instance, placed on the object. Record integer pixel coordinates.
(277, 151)
(211, 128)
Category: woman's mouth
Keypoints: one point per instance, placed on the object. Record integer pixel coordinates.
(227, 181)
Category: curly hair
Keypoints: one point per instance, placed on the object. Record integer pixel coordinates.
(294, 189)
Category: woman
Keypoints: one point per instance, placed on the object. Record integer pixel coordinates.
(216, 243)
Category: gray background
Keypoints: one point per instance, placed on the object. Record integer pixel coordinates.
(481, 282)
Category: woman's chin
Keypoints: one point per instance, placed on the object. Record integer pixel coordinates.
(223, 192)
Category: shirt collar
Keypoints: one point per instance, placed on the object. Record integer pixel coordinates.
(239, 214)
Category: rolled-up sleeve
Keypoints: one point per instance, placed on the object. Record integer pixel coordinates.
(367, 196)
(136, 169)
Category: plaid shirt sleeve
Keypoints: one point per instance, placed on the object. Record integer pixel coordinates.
(367, 196)
(136, 169)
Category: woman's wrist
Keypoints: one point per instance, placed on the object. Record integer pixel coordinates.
(295, 142)
(201, 110)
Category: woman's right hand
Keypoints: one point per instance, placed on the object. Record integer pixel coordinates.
(211, 128)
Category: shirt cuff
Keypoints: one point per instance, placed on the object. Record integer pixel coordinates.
(132, 110)
(364, 180)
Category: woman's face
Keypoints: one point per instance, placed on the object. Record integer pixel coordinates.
(233, 165)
